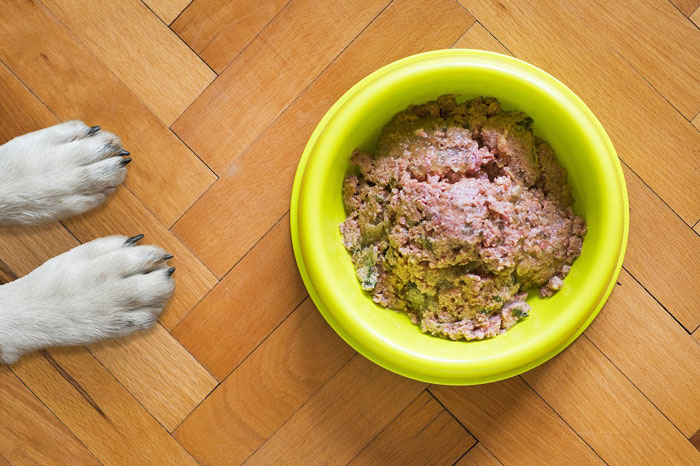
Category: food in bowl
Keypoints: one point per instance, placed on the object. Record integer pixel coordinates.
(459, 212)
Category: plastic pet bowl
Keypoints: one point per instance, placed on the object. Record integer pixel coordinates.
(387, 337)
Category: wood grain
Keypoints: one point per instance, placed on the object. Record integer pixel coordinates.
(695, 18)
(607, 411)
(478, 455)
(165, 74)
(97, 409)
(265, 390)
(283, 387)
(579, 26)
(344, 416)
(218, 31)
(167, 10)
(22, 112)
(686, 6)
(30, 434)
(274, 156)
(652, 350)
(74, 84)
(246, 305)
(268, 75)
(477, 37)
(659, 240)
(411, 437)
(158, 372)
(513, 422)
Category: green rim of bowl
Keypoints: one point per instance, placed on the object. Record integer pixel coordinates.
(380, 349)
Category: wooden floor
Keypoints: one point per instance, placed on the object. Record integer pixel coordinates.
(215, 101)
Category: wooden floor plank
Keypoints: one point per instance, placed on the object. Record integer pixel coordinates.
(687, 7)
(579, 26)
(218, 31)
(265, 390)
(344, 416)
(245, 306)
(659, 240)
(158, 372)
(268, 75)
(423, 434)
(477, 37)
(607, 411)
(154, 64)
(652, 350)
(167, 10)
(30, 434)
(123, 214)
(20, 111)
(478, 456)
(696, 120)
(97, 409)
(630, 117)
(515, 424)
(695, 18)
(237, 197)
(74, 84)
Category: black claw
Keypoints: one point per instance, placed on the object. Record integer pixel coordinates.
(133, 239)
(167, 257)
(170, 271)
(124, 152)
(93, 130)
(126, 161)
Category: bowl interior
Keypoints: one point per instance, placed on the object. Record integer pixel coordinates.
(581, 146)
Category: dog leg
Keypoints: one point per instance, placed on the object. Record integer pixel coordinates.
(58, 172)
(106, 288)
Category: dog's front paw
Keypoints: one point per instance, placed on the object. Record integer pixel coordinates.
(58, 172)
(106, 288)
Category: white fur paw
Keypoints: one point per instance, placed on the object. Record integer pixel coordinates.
(58, 172)
(106, 288)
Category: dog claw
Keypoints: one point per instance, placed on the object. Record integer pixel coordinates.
(170, 271)
(124, 152)
(133, 239)
(126, 161)
(93, 130)
(167, 257)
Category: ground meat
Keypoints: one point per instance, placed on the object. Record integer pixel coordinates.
(459, 212)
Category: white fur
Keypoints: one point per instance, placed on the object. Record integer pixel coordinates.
(57, 172)
(102, 289)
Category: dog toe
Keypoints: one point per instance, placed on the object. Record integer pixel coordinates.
(84, 151)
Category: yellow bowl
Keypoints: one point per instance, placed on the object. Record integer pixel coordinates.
(387, 337)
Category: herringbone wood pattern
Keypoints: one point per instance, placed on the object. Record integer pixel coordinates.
(215, 100)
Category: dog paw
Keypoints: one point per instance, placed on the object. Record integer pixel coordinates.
(58, 172)
(107, 288)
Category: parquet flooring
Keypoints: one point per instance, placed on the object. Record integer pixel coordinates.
(215, 100)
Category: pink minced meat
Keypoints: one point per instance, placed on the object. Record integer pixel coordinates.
(460, 210)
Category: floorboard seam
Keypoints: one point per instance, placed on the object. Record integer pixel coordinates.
(562, 419)
(55, 416)
(635, 386)
(354, 355)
